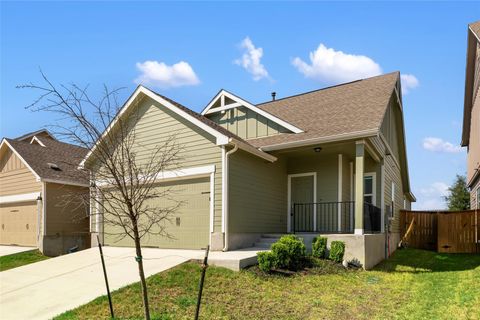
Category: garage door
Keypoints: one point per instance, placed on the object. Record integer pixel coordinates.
(18, 222)
(189, 227)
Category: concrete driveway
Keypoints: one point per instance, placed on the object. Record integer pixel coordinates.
(7, 250)
(45, 289)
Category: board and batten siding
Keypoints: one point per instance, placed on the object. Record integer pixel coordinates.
(247, 124)
(15, 177)
(257, 194)
(154, 124)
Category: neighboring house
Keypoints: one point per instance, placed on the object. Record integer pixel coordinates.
(331, 161)
(39, 177)
(471, 114)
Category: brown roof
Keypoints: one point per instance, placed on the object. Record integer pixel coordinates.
(475, 27)
(339, 110)
(204, 119)
(472, 39)
(66, 156)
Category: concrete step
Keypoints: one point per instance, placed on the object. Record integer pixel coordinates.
(272, 235)
(263, 245)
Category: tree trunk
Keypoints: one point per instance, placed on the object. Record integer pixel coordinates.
(139, 259)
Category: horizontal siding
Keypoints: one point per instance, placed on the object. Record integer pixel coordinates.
(67, 213)
(392, 173)
(155, 124)
(257, 194)
(18, 182)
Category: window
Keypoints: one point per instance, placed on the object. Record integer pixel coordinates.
(369, 188)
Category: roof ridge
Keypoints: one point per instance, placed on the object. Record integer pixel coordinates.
(326, 88)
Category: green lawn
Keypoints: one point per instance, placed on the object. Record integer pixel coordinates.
(413, 284)
(20, 259)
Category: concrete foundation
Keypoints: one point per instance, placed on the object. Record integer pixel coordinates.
(216, 241)
(56, 245)
(367, 249)
(242, 240)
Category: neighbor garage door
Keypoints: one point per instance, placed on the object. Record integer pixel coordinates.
(18, 222)
(190, 224)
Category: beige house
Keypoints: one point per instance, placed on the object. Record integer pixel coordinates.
(38, 176)
(331, 161)
(471, 114)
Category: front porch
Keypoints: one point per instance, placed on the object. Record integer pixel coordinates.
(335, 188)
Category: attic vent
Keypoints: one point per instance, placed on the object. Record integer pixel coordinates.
(53, 166)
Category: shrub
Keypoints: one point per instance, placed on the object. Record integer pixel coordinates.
(319, 247)
(266, 261)
(337, 250)
(287, 253)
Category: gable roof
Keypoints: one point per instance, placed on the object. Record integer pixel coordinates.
(239, 102)
(473, 38)
(222, 135)
(37, 158)
(41, 132)
(351, 110)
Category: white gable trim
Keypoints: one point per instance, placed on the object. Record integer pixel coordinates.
(5, 142)
(37, 140)
(221, 139)
(239, 101)
(19, 197)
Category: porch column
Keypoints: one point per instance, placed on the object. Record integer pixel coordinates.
(359, 172)
(382, 195)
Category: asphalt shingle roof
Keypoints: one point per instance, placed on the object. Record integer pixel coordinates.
(66, 156)
(347, 108)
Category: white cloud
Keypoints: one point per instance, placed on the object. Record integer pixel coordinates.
(250, 60)
(439, 145)
(161, 75)
(409, 81)
(331, 66)
(432, 197)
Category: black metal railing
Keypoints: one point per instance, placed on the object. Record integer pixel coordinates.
(333, 217)
(329, 217)
(372, 218)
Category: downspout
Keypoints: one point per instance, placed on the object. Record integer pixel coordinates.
(225, 193)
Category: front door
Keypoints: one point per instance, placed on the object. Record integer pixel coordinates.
(302, 199)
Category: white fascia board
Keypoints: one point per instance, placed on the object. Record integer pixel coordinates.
(19, 197)
(142, 90)
(70, 183)
(250, 106)
(5, 143)
(328, 139)
(250, 149)
(186, 173)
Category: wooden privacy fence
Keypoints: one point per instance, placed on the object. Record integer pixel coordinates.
(442, 231)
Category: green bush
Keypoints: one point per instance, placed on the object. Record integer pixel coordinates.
(266, 261)
(287, 253)
(319, 247)
(337, 250)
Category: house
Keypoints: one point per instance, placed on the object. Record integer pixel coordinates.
(471, 114)
(38, 180)
(331, 161)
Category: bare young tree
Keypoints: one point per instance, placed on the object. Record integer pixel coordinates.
(124, 172)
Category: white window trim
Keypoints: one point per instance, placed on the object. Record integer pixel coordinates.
(289, 209)
(223, 93)
(19, 197)
(374, 186)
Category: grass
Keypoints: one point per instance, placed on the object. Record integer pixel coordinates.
(20, 259)
(413, 284)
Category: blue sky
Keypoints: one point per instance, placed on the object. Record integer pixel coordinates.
(188, 51)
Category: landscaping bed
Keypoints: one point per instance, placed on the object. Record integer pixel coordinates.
(20, 259)
(412, 284)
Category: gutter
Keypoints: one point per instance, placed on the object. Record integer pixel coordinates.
(225, 193)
